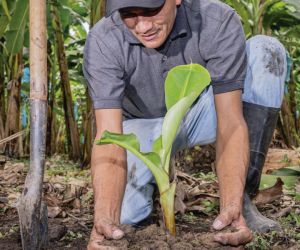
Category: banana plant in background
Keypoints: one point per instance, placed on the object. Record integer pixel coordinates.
(182, 87)
(13, 30)
(263, 16)
(281, 19)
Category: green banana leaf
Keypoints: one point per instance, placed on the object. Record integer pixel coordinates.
(183, 80)
(4, 21)
(296, 4)
(288, 171)
(183, 85)
(15, 34)
(270, 180)
(171, 124)
(6, 9)
(131, 143)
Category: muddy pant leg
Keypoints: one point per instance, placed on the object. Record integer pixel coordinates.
(266, 72)
(263, 95)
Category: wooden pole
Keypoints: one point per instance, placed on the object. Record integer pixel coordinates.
(32, 212)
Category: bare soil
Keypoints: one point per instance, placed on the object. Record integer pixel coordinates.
(68, 195)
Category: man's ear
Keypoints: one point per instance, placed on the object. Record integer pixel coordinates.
(178, 2)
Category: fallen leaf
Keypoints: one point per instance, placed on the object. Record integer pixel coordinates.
(179, 198)
(77, 203)
(283, 212)
(56, 232)
(53, 212)
(12, 198)
(52, 201)
(280, 158)
(270, 194)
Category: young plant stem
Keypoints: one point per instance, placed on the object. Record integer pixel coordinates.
(167, 204)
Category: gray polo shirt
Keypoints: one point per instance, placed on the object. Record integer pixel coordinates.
(122, 73)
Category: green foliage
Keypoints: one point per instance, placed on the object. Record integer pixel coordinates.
(151, 159)
(190, 217)
(261, 241)
(260, 17)
(206, 176)
(15, 34)
(269, 180)
(210, 206)
(6, 9)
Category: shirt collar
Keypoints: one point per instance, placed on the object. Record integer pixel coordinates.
(180, 27)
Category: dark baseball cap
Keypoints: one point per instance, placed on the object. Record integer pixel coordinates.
(113, 5)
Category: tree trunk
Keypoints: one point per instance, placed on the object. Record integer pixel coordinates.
(2, 101)
(32, 212)
(288, 125)
(97, 12)
(12, 124)
(50, 101)
(71, 126)
(88, 131)
(1, 128)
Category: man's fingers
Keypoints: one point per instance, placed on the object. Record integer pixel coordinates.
(241, 237)
(97, 237)
(222, 221)
(97, 246)
(110, 231)
(95, 240)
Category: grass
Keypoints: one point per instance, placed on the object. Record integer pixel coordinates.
(210, 176)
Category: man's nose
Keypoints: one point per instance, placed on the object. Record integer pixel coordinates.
(144, 24)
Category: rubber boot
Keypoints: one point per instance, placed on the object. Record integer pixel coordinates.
(261, 122)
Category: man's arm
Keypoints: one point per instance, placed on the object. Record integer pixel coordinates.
(232, 149)
(108, 165)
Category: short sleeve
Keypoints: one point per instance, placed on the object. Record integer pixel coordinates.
(103, 73)
(226, 58)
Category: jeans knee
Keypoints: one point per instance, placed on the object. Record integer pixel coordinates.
(270, 51)
(134, 213)
(266, 72)
(137, 203)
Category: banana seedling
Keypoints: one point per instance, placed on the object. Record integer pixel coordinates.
(183, 86)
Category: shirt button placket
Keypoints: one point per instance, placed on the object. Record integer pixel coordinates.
(164, 67)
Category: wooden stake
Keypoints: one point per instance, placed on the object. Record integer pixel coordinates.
(32, 213)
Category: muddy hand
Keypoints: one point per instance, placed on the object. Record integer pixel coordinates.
(232, 216)
(103, 231)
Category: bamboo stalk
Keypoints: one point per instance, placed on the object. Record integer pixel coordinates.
(32, 212)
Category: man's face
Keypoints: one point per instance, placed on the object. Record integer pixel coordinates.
(151, 26)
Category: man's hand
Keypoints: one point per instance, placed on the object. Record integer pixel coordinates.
(232, 160)
(232, 216)
(108, 165)
(103, 230)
